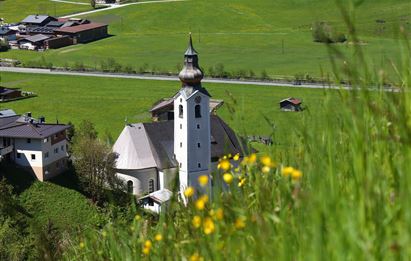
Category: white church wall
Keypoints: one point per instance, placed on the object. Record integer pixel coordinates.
(141, 179)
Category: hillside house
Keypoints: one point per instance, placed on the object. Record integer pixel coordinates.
(290, 104)
(7, 33)
(37, 20)
(32, 144)
(188, 140)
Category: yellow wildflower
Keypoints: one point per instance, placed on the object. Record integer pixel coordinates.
(137, 217)
(287, 171)
(224, 164)
(82, 245)
(203, 180)
(265, 169)
(240, 223)
(208, 225)
(158, 237)
(146, 251)
(104, 233)
(189, 192)
(219, 214)
(242, 182)
(196, 221)
(266, 161)
(228, 178)
(196, 257)
(148, 244)
(245, 161)
(252, 158)
(236, 157)
(296, 174)
(200, 203)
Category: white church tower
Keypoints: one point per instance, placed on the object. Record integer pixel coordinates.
(192, 124)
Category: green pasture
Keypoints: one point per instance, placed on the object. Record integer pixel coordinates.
(109, 102)
(16, 10)
(269, 35)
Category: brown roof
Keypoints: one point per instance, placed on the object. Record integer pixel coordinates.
(294, 101)
(80, 28)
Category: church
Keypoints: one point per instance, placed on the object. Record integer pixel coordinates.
(185, 144)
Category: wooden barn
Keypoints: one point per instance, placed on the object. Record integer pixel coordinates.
(84, 33)
(291, 104)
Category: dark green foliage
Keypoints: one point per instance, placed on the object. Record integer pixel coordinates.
(323, 32)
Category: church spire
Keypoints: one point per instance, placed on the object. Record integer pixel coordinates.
(191, 75)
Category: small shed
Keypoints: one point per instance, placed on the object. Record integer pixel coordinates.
(9, 94)
(157, 200)
(291, 104)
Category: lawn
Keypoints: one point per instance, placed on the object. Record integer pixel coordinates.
(108, 102)
(16, 10)
(274, 36)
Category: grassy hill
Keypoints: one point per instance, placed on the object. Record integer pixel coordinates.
(108, 102)
(16, 10)
(260, 35)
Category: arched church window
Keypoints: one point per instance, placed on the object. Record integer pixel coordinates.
(198, 111)
(130, 187)
(180, 111)
(151, 185)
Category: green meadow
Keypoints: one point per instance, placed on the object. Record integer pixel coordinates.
(263, 35)
(109, 102)
(16, 10)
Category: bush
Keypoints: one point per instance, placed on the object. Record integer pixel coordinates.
(323, 32)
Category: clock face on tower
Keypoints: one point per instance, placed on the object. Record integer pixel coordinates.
(198, 99)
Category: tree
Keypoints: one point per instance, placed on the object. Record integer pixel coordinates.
(93, 4)
(94, 163)
(4, 45)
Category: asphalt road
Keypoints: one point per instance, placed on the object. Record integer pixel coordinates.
(164, 78)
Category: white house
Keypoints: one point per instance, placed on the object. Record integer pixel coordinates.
(189, 141)
(32, 144)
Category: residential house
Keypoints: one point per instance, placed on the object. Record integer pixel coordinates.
(38, 20)
(7, 33)
(33, 144)
(34, 42)
(9, 94)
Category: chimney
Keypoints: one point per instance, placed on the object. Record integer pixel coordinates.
(42, 119)
(28, 114)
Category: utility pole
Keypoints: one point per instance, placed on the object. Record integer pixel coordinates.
(282, 46)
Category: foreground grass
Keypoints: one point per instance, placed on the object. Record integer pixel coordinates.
(244, 36)
(108, 102)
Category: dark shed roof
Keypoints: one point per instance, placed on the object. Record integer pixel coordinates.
(80, 28)
(35, 38)
(6, 31)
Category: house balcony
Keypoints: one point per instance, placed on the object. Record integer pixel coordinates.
(6, 150)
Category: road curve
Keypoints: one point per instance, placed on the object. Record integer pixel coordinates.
(163, 78)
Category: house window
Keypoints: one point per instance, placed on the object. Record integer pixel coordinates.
(46, 155)
(181, 126)
(56, 150)
(198, 126)
(18, 155)
(180, 111)
(45, 140)
(181, 144)
(33, 156)
(181, 100)
(28, 140)
(181, 165)
(62, 148)
(199, 145)
(199, 165)
(130, 187)
(198, 111)
(151, 186)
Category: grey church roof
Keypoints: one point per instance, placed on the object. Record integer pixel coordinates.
(35, 19)
(135, 154)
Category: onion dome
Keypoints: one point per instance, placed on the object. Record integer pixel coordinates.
(191, 74)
